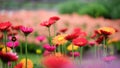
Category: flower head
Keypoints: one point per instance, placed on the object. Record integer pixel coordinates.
(19, 65)
(92, 43)
(49, 48)
(29, 63)
(26, 30)
(4, 50)
(63, 30)
(106, 30)
(12, 44)
(4, 26)
(9, 56)
(55, 61)
(76, 33)
(17, 27)
(80, 42)
(109, 58)
(75, 54)
(40, 38)
(70, 47)
(59, 40)
(51, 21)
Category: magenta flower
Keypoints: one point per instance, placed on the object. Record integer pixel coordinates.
(109, 58)
(92, 43)
(8, 57)
(49, 48)
(41, 38)
(46, 53)
(12, 44)
(75, 54)
(26, 30)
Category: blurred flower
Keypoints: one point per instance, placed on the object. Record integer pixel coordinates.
(100, 39)
(4, 26)
(112, 40)
(59, 40)
(51, 21)
(49, 48)
(38, 51)
(29, 63)
(9, 56)
(76, 33)
(70, 47)
(109, 58)
(17, 27)
(19, 65)
(55, 18)
(40, 38)
(80, 42)
(106, 30)
(4, 49)
(58, 54)
(63, 30)
(1, 36)
(12, 32)
(26, 30)
(55, 61)
(91, 43)
(12, 44)
(1, 46)
(13, 38)
(46, 53)
(75, 54)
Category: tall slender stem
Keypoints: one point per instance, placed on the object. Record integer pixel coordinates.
(104, 47)
(81, 54)
(49, 37)
(54, 29)
(26, 50)
(73, 51)
(5, 40)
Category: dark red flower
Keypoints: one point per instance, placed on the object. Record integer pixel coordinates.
(4, 26)
(55, 18)
(20, 65)
(63, 30)
(80, 42)
(5, 57)
(17, 27)
(100, 39)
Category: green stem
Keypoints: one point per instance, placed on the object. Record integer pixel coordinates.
(54, 29)
(49, 37)
(105, 47)
(5, 40)
(81, 54)
(26, 50)
(72, 51)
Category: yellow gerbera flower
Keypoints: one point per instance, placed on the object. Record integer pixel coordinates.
(29, 63)
(107, 30)
(4, 49)
(112, 40)
(70, 47)
(59, 40)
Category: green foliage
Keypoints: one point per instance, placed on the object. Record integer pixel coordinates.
(31, 47)
(115, 14)
(94, 10)
(69, 7)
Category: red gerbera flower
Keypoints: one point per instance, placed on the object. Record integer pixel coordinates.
(63, 30)
(51, 21)
(56, 61)
(4, 26)
(80, 42)
(76, 33)
(20, 65)
(17, 27)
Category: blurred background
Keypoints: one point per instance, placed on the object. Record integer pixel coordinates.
(86, 14)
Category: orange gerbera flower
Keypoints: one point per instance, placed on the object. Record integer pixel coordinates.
(29, 63)
(106, 30)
